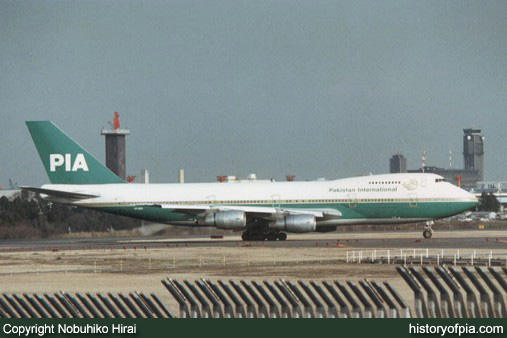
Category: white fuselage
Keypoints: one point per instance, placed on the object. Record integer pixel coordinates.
(355, 197)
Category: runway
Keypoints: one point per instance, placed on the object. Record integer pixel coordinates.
(471, 239)
(126, 264)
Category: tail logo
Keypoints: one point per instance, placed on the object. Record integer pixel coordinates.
(58, 160)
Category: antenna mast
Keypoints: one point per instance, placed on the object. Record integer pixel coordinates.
(423, 160)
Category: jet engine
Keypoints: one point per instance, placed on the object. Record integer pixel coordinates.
(226, 220)
(295, 223)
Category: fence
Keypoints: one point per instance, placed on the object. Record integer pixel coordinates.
(426, 256)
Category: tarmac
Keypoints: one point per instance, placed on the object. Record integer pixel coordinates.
(470, 239)
(120, 264)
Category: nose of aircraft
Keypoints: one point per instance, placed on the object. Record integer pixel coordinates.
(470, 198)
(463, 194)
(474, 198)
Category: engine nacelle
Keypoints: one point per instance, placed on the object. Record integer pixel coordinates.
(226, 219)
(296, 223)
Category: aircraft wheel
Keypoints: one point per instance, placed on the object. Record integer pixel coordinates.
(261, 237)
(272, 236)
(257, 237)
(253, 236)
(282, 236)
(245, 236)
(427, 233)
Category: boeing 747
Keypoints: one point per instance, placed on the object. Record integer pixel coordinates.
(262, 210)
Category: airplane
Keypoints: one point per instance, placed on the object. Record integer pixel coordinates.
(262, 210)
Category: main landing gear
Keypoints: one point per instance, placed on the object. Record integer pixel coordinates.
(259, 235)
(428, 231)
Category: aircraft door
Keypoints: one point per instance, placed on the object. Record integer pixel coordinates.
(276, 201)
(352, 200)
(212, 199)
(412, 200)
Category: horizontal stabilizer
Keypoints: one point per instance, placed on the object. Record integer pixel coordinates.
(60, 193)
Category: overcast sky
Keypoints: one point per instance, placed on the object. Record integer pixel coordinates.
(312, 88)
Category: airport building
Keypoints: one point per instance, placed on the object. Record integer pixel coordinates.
(473, 157)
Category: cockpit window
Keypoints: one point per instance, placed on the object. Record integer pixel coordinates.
(440, 180)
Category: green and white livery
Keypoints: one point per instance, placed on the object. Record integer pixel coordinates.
(262, 210)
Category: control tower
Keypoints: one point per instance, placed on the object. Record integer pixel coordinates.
(473, 151)
(397, 164)
(115, 147)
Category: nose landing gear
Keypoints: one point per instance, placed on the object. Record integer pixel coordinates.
(428, 231)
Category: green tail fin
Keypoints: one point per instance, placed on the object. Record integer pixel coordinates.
(66, 162)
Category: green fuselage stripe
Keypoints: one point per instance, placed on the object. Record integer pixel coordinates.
(350, 210)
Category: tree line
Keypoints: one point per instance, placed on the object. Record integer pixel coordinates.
(39, 218)
(488, 202)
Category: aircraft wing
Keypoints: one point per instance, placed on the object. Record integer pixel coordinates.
(204, 209)
(318, 213)
(260, 212)
(60, 193)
